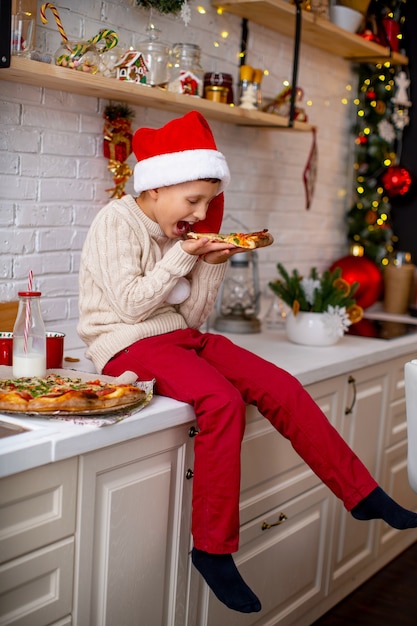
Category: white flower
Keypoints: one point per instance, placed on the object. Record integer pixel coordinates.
(309, 285)
(336, 320)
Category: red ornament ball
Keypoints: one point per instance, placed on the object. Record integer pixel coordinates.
(396, 181)
(364, 271)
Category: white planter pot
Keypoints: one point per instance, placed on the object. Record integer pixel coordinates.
(310, 329)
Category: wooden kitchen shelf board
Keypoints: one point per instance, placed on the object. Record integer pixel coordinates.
(279, 16)
(54, 77)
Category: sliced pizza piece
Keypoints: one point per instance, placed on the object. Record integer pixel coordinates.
(250, 241)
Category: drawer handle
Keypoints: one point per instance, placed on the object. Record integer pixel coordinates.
(193, 431)
(349, 409)
(189, 474)
(281, 520)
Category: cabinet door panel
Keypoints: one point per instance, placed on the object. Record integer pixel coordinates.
(36, 589)
(287, 579)
(363, 429)
(131, 537)
(37, 508)
(396, 427)
(130, 520)
(395, 482)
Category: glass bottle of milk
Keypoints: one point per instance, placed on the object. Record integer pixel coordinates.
(29, 338)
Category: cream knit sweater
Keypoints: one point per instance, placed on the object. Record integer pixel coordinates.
(128, 267)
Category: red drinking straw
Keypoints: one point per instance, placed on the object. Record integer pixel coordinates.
(27, 318)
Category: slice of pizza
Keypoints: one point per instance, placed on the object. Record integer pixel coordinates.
(250, 241)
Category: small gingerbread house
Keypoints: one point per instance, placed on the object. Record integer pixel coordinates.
(132, 67)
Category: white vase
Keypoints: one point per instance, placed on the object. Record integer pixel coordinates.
(310, 329)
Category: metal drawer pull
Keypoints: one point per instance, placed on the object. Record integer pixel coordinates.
(281, 520)
(189, 474)
(349, 409)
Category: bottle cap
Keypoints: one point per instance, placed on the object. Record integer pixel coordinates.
(257, 76)
(29, 293)
(246, 72)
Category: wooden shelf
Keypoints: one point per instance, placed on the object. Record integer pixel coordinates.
(54, 77)
(279, 16)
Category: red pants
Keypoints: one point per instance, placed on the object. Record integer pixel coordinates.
(219, 379)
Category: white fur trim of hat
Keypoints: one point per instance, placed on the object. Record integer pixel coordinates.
(180, 167)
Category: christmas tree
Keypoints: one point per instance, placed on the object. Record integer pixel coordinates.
(368, 218)
(380, 120)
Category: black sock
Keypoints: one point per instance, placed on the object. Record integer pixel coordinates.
(222, 576)
(378, 505)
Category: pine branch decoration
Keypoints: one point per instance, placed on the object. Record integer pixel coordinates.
(163, 6)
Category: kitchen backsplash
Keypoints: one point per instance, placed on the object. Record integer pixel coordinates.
(53, 176)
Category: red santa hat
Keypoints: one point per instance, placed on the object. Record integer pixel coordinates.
(181, 151)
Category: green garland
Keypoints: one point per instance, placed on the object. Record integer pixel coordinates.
(163, 6)
(330, 289)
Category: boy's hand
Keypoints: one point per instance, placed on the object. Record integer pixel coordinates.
(211, 251)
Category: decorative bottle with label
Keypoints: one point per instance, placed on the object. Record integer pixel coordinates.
(29, 338)
(186, 73)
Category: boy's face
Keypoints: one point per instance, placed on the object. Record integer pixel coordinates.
(177, 207)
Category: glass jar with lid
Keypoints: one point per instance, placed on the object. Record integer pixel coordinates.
(156, 56)
(78, 55)
(186, 73)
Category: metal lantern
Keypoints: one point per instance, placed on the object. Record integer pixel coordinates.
(238, 302)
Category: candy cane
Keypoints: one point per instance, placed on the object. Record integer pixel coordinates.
(52, 7)
(110, 36)
(27, 317)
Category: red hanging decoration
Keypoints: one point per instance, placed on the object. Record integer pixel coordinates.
(117, 145)
(397, 181)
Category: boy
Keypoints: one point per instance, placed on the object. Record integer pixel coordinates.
(145, 291)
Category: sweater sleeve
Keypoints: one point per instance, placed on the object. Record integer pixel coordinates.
(128, 269)
(206, 279)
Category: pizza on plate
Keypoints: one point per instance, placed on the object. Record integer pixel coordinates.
(258, 239)
(56, 393)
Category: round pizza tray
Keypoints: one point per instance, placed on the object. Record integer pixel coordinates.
(122, 408)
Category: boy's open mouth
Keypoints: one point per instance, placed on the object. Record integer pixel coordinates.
(183, 227)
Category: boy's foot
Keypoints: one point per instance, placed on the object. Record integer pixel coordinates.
(222, 576)
(379, 505)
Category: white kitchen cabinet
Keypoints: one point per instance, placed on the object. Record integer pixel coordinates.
(104, 538)
(394, 459)
(361, 423)
(133, 532)
(284, 562)
(37, 525)
(319, 553)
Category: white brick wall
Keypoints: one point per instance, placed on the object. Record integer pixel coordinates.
(53, 176)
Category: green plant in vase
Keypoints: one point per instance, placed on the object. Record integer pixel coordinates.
(326, 293)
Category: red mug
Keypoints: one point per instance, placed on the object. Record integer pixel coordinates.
(6, 348)
(54, 349)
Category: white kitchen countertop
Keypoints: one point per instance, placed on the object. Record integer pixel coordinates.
(49, 441)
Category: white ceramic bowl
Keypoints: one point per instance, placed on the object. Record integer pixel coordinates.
(345, 18)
